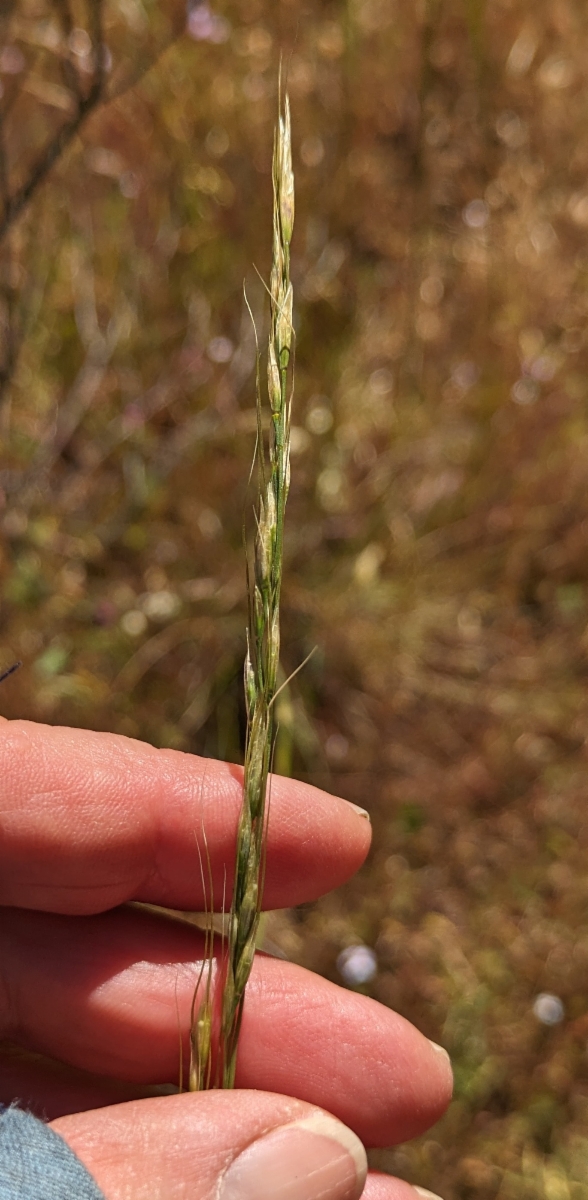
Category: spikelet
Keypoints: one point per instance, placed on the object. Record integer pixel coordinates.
(263, 647)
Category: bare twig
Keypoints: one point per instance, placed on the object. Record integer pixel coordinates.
(15, 202)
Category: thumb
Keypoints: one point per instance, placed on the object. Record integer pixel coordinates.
(230, 1145)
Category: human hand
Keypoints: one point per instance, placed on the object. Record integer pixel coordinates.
(89, 821)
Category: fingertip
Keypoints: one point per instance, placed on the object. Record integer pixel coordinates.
(361, 812)
(324, 838)
(358, 828)
(386, 1187)
(444, 1067)
(387, 1081)
(433, 1082)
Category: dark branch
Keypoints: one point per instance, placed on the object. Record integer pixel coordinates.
(68, 71)
(52, 152)
(10, 671)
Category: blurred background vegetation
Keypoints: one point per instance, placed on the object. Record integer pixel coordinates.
(438, 522)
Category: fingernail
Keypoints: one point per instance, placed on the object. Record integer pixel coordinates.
(424, 1192)
(440, 1050)
(317, 1158)
(361, 811)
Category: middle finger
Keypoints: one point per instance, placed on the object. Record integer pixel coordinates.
(112, 994)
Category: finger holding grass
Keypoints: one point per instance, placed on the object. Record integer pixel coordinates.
(91, 820)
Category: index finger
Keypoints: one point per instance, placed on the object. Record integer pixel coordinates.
(90, 820)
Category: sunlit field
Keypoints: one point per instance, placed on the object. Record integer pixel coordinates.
(437, 532)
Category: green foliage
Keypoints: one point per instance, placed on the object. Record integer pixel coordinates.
(410, 818)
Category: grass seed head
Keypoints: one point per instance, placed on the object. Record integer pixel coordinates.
(263, 640)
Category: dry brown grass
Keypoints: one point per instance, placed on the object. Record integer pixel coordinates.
(436, 548)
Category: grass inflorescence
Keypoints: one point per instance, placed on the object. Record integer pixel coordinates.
(262, 658)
